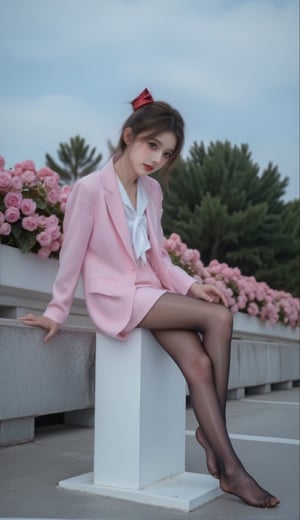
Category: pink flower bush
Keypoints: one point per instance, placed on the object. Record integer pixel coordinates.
(32, 206)
(243, 293)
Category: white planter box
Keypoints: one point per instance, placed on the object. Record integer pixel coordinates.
(26, 282)
(28, 272)
(246, 326)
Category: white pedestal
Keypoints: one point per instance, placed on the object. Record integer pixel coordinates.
(140, 428)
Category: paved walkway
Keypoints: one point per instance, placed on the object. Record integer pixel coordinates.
(264, 431)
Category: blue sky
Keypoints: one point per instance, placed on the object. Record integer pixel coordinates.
(71, 66)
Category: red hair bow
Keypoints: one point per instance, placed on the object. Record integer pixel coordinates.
(144, 98)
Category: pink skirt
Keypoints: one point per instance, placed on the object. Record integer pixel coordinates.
(148, 290)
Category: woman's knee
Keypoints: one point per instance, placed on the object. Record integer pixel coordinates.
(224, 317)
(200, 369)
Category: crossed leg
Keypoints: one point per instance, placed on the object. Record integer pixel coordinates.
(176, 321)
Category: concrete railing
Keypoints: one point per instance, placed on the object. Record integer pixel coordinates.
(39, 379)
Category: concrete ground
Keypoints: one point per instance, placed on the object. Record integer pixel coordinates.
(264, 431)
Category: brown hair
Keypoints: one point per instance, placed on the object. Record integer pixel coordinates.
(153, 119)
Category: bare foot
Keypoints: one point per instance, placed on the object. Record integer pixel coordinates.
(211, 461)
(247, 489)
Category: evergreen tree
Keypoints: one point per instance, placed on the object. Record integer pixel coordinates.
(77, 159)
(219, 204)
(284, 273)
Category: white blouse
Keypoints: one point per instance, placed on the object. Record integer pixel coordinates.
(137, 221)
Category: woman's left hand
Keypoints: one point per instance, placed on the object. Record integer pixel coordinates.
(209, 293)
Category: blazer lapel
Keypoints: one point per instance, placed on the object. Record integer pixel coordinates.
(115, 207)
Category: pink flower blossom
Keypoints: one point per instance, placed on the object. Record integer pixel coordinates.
(30, 223)
(44, 252)
(23, 166)
(12, 214)
(53, 196)
(169, 244)
(2, 163)
(50, 181)
(5, 181)
(42, 219)
(45, 174)
(13, 199)
(16, 183)
(52, 221)
(28, 177)
(5, 229)
(55, 245)
(253, 309)
(65, 192)
(44, 238)
(28, 207)
(2, 218)
(54, 232)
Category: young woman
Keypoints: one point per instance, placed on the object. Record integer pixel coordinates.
(113, 238)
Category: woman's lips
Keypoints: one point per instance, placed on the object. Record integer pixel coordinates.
(148, 168)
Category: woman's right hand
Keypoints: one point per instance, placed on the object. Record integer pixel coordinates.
(41, 321)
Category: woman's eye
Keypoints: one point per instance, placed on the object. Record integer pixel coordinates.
(168, 155)
(153, 146)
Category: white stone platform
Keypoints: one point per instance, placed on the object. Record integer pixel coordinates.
(184, 492)
(139, 450)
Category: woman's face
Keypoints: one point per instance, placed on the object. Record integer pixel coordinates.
(147, 155)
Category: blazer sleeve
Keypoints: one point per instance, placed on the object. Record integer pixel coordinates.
(177, 278)
(78, 224)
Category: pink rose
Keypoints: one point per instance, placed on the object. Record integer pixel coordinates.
(30, 223)
(169, 244)
(2, 218)
(5, 229)
(12, 214)
(54, 232)
(23, 166)
(47, 172)
(16, 183)
(2, 162)
(13, 199)
(253, 309)
(242, 301)
(29, 178)
(5, 181)
(55, 245)
(52, 221)
(44, 252)
(44, 238)
(187, 256)
(50, 182)
(28, 207)
(42, 221)
(65, 192)
(63, 207)
(53, 196)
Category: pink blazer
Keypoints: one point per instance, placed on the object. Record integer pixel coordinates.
(97, 245)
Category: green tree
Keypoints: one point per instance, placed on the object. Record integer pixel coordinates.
(219, 203)
(284, 273)
(77, 160)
